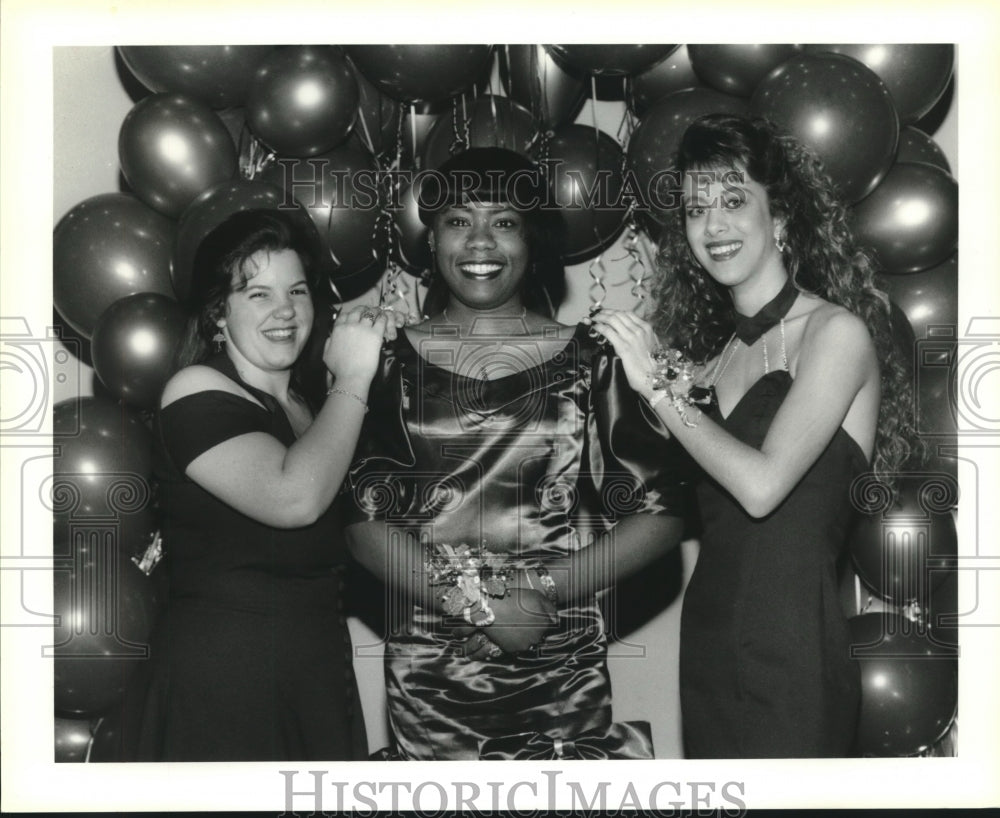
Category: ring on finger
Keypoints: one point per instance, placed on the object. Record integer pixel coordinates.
(371, 314)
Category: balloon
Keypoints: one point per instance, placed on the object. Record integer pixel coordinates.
(491, 122)
(916, 74)
(928, 298)
(72, 740)
(840, 109)
(218, 75)
(586, 182)
(104, 608)
(107, 746)
(303, 100)
(377, 122)
(909, 686)
(675, 73)
(411, 251)
(421, 72)
(213, 207)
(171, 148)
(943, 616)
(895, 544)
(235, 120)
(737, 69)
(105, 248)
(916, 146)
(609, 60)
(100, 471)
(134, 344)
(911, 219)
(653, 147)
(533, 79)
(340, 192)
(419, 120)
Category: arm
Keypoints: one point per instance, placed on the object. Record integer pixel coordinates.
(292, 486)
(836, 361)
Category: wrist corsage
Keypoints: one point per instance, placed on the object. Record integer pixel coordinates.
(469, 578)
(672, 377)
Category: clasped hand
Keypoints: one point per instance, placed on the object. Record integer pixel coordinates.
(523, 618)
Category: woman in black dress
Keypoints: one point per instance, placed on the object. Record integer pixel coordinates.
(763, 282)
(506, 473)
(251, 660)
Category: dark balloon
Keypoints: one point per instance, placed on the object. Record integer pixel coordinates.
(916, 146)
(944, 615)
(133, 346)
(109, 741)
(490, 121)
(840, 109)
(303, 100)
(107, 247)
(653, 147)
(218, 75)
(172, 148)
(421, 72)
(909, 686)
(377, 123)
(340, 192)
(900, 546)
(235, 120)
(533, 79)
(104, 608)
(916, 74)
(100, 472)
(419, 119)
(586, 183)
(911, 219)
(738, 68)
(411, 250)
(928, 298)
(213, 207)
(610, 60)
(675, 73)
(72, 740)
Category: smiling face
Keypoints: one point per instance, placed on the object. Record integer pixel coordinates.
(730, 228)
(482, 253)
(267, 322)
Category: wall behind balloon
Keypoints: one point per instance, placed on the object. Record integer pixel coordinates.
(89, 104)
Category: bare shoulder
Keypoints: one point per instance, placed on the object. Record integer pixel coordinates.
(193, 379)
(827, 322)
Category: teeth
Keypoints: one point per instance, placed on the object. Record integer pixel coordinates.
(724, 249)
(279, 334)
(481, 269)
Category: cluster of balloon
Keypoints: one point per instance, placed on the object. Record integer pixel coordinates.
(340, 191)
(909, 685)
(838, 107)
(533, 79)
(171, 148)
(104, 606)
(902, 546)
(303, 100)
(654, 143)
(218, 75)
(489, 122)
(134, 344)
(737, 68)
(105, 248)
(425, 73)
(411, 249)
(586, 182)
(609, 60)
(377, 123)
(673, 73)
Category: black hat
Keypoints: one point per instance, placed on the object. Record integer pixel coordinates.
(482, 175)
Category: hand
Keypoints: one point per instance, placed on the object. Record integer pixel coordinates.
(480, 648)
(634, 341)
(523, 618)
(352, 350)
(395, 320)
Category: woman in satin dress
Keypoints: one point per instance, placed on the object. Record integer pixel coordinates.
(504, 455)
(761, 280)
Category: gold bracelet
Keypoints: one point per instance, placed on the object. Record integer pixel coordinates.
(333, 390)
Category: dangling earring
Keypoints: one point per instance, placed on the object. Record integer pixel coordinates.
(779, 242)
(219, 339)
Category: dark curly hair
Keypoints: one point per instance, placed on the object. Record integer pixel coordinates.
(220, 268)
(695, 313)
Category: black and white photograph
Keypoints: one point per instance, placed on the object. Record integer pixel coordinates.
(374, 394)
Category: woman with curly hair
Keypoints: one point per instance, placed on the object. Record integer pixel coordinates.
(799, 388)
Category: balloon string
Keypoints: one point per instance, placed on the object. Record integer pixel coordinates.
(627, 125)
(413, 135)
(597, 292)
(369, 142)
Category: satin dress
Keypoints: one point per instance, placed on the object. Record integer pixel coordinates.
(514, 463)
(765, 669)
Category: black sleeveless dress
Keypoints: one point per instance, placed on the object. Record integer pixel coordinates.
(765, 667)
(251, 660)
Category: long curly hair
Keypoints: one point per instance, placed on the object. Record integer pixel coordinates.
(695, 313)
(221, 267)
